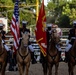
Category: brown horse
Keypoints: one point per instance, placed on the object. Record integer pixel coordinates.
(53, 55)
(24, 56)
(3, 58)
(72, 59)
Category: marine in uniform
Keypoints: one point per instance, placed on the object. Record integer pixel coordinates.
(71, 39)
(25, 30)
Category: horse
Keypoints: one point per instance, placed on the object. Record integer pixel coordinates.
(71, 55)
(3, 58)
(23, 55)
(53, 55)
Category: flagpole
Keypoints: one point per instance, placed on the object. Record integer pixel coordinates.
(37, 9)
(40, 30)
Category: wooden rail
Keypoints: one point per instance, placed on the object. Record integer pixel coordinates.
(35, 45)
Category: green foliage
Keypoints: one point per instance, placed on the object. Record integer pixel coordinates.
(2, 1)
(51, 6)
(64, 21)
(70, 11)
(63, 11)
(27, 17)
(24, 15)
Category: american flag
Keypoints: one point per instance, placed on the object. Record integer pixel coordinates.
(15, 25)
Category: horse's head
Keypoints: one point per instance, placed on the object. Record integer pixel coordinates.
(25, 39)
(54, 36)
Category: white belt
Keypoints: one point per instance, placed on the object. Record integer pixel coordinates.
(73, 37)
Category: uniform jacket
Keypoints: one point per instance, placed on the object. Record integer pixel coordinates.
(72, 36)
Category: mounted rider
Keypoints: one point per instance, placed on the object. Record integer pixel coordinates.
(25, 30)
(71, 37)
(59, 34)
(3, 34)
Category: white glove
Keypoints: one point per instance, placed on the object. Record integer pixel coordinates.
(50, 32)
(67, 42)
(3, 41)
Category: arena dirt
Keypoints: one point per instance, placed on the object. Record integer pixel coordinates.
(36, 69)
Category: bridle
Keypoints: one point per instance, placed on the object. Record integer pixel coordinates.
(2, 49)
(25, 47)
(53, 40)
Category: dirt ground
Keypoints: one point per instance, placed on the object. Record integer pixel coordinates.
(36, 69)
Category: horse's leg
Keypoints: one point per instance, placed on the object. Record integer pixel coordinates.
(44, 65)
(50, 65)
(56, 68)
(27, 68)
(20, 68)
(70, 69)
(3, 68)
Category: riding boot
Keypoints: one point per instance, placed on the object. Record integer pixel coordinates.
(60, 56)
(8, 56)
(11, 68)
(66, 57)
(33, 59)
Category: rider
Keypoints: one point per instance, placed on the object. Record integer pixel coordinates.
(3, 33)
(59, 33)
(25, 30)
(48, 32)
(71, 38)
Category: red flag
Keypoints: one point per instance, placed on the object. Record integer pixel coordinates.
(15, 26)
(40, 30)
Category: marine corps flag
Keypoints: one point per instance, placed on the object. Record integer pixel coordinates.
(40, 30)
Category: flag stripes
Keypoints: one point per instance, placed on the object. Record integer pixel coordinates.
(15, 26)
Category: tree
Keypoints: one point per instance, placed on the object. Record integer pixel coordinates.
(26, 11)
(60, 8)
(64, 21)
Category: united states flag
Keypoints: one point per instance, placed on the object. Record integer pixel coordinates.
(15, 25)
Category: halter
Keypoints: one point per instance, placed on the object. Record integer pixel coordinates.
(23, 57)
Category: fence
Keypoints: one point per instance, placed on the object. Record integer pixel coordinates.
(36, 47)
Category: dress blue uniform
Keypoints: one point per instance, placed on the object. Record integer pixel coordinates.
(71, 39)
(25, 30)
(71, 36)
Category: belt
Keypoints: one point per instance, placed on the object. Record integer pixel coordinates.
(73, 37)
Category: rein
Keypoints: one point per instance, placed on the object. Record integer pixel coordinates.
(53, 57)
(73, 57)
(50, 40)
(71, 53)
(2, 53)
(23, 57)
